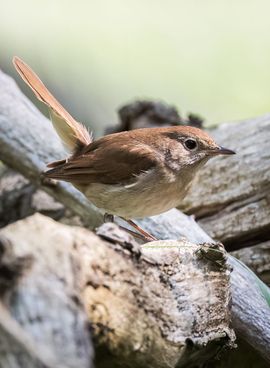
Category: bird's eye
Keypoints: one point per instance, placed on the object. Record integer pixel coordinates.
(190, 144)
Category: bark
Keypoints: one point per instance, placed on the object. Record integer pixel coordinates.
(231, 198)
(144, 308)
(42, 324)
(33, 142)
(257, 258)
(20, 198)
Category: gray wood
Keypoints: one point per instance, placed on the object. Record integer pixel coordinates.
(143, 312)
(20, 198)
(257, 258)
(28, 141)
(231, 197)
(42, 323)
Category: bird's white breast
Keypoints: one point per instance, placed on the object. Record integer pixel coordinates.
(149, 195)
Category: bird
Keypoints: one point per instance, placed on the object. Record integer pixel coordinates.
(131, 174)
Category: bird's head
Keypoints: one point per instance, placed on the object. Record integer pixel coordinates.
(187, 146)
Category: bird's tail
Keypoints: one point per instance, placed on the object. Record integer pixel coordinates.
(73, 134)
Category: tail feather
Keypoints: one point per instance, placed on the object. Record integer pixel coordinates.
(73, 134)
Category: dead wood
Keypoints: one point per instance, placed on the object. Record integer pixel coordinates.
(231, 198)
(143, 307)
(28, 141)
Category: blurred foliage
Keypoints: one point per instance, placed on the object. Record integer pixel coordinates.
(211, 57)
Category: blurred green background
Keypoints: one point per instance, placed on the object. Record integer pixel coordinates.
(209, 57)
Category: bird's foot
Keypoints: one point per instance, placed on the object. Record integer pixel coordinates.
(142, 234)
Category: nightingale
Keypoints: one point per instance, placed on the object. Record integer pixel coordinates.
(131, 174)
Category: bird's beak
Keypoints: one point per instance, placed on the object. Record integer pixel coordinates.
(222, 151)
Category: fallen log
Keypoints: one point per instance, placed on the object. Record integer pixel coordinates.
(257, 258)
(33, 142)
(42, 324)
(231, 200)
(143, 307)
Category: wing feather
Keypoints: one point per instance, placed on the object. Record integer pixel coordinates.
(109, 161)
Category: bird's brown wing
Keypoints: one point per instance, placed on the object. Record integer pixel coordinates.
(109, 160)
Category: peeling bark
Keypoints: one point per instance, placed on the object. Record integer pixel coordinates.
(144, 310)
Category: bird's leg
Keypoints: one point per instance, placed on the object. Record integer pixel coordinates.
(144, 235)
(135, 234)
(140, 230)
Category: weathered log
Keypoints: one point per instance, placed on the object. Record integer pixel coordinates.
(42, 324)
(231, 199)
(20, 198)
(149, 114)
(257, 258)
(144, 308)
(33, 142)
